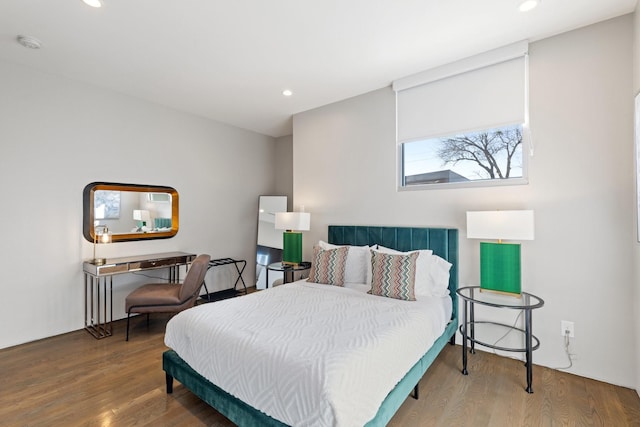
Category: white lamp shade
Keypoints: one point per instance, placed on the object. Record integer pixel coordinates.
(507, 225)
(300, 221)
(141, 215)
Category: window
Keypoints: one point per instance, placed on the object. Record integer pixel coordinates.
(462, 158)
(464, 123)
(159, 197)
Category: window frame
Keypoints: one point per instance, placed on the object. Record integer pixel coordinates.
(493, 182)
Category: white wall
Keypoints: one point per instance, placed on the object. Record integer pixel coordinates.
(56, 136)
(636, 252)
(581, 188)
(284, 167)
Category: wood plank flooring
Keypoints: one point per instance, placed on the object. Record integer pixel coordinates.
(76, 380)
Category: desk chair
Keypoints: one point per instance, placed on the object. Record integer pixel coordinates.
(168, 297)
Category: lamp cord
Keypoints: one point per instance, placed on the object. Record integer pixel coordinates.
(508, 332)
(566, 350)
(567, 342)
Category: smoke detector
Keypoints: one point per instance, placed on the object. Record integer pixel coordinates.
(30, 42)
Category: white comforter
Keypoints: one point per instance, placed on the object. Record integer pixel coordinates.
(308, 354)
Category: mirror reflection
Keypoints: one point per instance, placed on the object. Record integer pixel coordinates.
(130, 211)
(269, 248)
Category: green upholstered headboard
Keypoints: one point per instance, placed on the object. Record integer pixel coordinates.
(162, 222)
(442, 241)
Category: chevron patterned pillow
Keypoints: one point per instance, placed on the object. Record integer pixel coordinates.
(393, 276)
(328, 266)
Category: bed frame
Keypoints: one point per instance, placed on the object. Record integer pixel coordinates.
(442, 241)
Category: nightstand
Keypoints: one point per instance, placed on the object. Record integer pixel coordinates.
(526, 302)
(288, 270)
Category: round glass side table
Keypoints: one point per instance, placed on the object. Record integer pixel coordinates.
(472, 295)
(288, 270)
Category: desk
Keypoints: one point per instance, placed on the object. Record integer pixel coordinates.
(98, 284)
(526, 302)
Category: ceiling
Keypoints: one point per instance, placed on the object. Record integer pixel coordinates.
(231, 60)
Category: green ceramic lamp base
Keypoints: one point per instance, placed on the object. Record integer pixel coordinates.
(500, 267)
(291, 247)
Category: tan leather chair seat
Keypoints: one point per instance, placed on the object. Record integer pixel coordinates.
(168, 297)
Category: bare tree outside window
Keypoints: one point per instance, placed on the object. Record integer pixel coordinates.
(486, 149)
(494, 154)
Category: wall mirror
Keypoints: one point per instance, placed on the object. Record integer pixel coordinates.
(269, 247)
(130, 211)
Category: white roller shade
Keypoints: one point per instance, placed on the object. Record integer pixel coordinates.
(481, 92)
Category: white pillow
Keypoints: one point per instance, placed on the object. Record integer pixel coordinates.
(423, 269)
(358, 258)
(439, 275)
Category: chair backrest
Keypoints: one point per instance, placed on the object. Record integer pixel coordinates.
(195, 277)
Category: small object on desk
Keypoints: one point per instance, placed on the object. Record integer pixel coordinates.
(526, 302)
(287, 270)
(101, 235)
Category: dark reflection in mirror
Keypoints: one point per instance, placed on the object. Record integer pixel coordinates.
(130, 211)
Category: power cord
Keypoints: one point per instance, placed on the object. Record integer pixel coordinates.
(567, 342)
(507, 333)
(566, 350)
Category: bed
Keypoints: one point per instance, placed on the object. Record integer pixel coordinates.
(297, 389)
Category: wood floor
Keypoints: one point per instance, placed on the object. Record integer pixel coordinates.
(76, 380)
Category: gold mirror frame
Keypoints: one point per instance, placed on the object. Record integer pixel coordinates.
(88, 198)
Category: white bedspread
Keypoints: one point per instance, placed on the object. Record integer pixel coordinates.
(308, 354)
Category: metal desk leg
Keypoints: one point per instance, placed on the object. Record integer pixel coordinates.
(98, 318)
(110, 305)
(88, 283)
(529, 345)
(464, 339)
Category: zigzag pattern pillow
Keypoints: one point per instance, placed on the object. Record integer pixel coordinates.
(328, 266)
(393, 276)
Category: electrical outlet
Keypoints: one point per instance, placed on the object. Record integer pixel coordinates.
(565, 326)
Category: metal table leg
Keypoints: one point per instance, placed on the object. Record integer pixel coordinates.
(528, 347)
(472, 327)
(464, 339)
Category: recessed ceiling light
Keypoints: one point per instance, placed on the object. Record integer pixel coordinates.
(30, 42)
(287, 92)
(527, 5)
(93, 3)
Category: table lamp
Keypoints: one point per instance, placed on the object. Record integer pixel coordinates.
(500, 262)
(292, 223)
(143, 217)
(100, 235)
